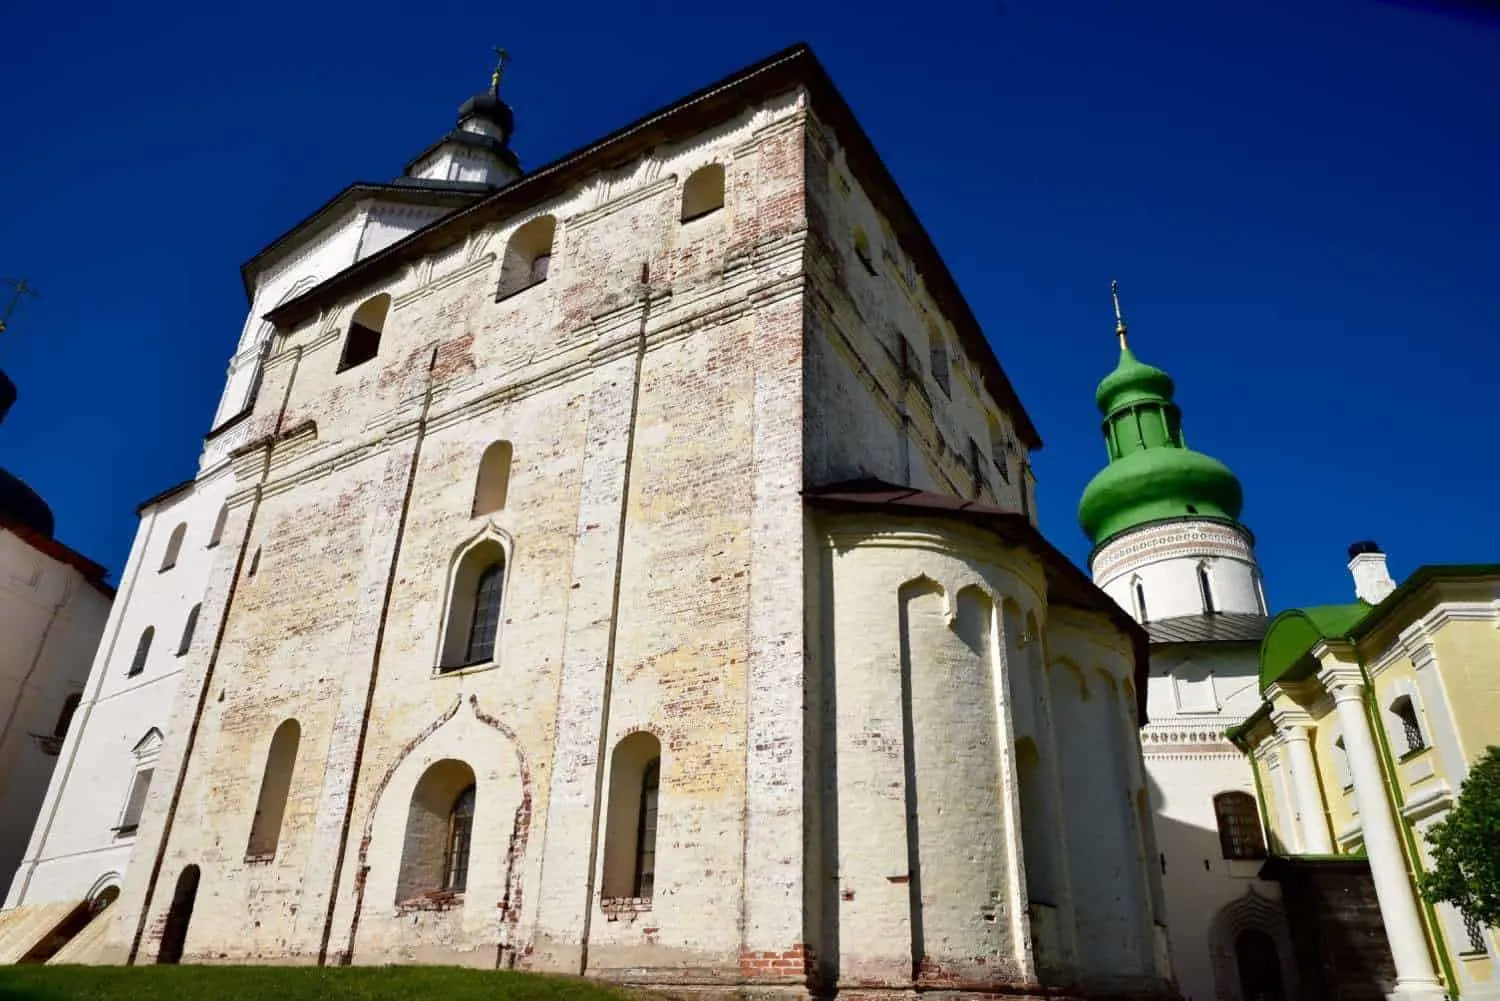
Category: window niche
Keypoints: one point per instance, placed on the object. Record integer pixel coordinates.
(174, 547)
(476, 598)
(362, 343)
(217, 535)
(703, 192)
(275, 786)
(188, 629)
(439, 831)
(142, 651)
(493, 482)
(631, 824)
(528, 257)
(1406, 725)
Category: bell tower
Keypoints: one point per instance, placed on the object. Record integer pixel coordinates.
(1163, 518)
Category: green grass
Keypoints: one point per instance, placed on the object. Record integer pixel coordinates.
(282, 983)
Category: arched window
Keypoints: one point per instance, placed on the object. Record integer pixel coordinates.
(187, 630)
(528, 257)
(494, 479)
(703, 192)
(275, 785)
(439, 829)
(363, 340)
(174, 931)
(1405, 713)
(217, 535)
(65, 718)
(1205, 589)
(1239, 826)
(142, 651)
(460, 834)
(135, 801)
(630, 834)
(254, 567)
(1037, 840)
(474, 618)
(1140, 601)
(174, 546)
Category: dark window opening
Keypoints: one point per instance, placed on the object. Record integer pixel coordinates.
(460, 834)
(1239, 826)
(142, 651)
(645, 840)
(486, 622)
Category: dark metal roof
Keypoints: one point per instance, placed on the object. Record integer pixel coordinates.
(785, 71)
(1223, 627)
(1066, 583)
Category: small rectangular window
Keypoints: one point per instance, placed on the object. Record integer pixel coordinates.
(976, 465)
(135, 805)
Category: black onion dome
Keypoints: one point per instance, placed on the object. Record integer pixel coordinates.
(19, 504)
(488, 107)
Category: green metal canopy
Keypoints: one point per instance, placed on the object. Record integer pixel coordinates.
(1285, 653)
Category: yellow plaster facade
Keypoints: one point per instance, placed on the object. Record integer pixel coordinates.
(1417, 672)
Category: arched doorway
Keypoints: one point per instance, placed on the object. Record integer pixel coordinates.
(1259, 966)
(174, 933)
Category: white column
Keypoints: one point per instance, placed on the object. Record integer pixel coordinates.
(1313, 824)
(1398, 902)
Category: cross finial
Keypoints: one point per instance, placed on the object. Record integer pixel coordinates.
(501, 58)
(19, 287)
(1114, 292)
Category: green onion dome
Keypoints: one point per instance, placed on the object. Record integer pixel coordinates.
(1152, 475)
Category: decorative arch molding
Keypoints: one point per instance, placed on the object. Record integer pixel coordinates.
(110, 879)
(1251, 912)
(511, 900)
(489, 534)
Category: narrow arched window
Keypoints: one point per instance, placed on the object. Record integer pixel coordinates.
(187, 630)
(942, 372)
(65, 718)
(1205, 589)
(142, 651)
(493, 482)
(365, 329)
(174, 547)
(1140, 602)
(217, 535)
(472, 629)
(275, 786)
(703, 192)
(1239, 826)
(528, 257)
(645, 839)
(486, 622)
(631, 824)
(1411, 729)
(460, 834)
(254, 566)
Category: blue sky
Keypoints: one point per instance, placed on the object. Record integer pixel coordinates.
(1298, 199)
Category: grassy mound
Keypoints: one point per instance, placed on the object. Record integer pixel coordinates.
(283, 983)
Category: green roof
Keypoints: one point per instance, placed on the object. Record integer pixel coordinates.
(1284, 653)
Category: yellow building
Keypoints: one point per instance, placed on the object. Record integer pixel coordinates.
(1372, 714)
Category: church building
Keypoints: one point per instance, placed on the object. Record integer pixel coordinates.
(53, 604)
(1169, 547)
(629, 568)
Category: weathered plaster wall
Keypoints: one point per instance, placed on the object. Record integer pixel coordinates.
(652, 530)
(867, 416)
